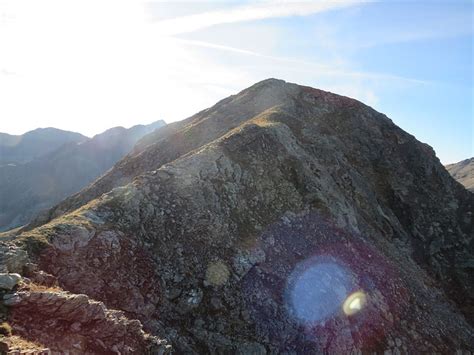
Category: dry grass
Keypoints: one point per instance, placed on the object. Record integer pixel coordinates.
(10, 233)
(18, 343)
(40, 288)
(37, 239)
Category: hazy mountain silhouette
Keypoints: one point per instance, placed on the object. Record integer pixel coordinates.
(30, 187)
(33, 144)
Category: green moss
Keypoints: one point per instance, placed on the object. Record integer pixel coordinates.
(38, 239)
(34, 244)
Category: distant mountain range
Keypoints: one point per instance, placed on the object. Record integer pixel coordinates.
(41, 167)
(33, 144)
(463, 172)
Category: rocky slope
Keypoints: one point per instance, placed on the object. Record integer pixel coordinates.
(463, 172)
(68, 323)
(26, 147)
(284, 219)
(26, 189)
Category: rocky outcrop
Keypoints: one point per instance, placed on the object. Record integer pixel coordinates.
(77, 324)
(15, 345)
(8, 281)
(463, 172)
(114, 267)
(41, 318)
(284, 219)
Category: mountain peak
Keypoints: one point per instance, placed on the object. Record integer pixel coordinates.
(280, 209)
(277, 85)
(270, 81)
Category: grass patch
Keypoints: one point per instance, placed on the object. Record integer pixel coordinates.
(33, 243)
(38, 239)
(41, 288)
(18, 343)
(5, 329)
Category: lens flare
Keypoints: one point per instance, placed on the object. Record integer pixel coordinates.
(317, 289)
(217, 273)
(354, 303)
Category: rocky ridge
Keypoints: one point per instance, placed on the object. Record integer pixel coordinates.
(205, 232)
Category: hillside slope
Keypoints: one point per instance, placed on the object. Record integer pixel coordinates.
(28, 188)
(251, 227)
(463, 172)
(177, 139)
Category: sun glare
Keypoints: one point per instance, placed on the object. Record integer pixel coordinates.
(354, 303)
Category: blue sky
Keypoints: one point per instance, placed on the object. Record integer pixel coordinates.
(95, 64)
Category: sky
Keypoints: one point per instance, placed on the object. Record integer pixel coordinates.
(88, 65)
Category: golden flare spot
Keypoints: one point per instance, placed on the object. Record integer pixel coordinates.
(354, 303)
(217, 273)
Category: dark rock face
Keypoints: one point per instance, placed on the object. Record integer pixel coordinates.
(29, 188)
(284, 219)
(463, 172)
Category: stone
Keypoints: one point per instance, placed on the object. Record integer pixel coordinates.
(76, 237)
(11, 299)
(9, 281)
(12, 258)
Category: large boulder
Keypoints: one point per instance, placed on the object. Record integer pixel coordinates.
(9, 281)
